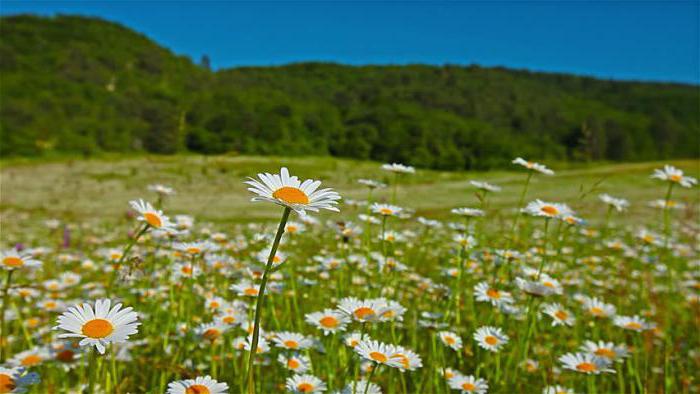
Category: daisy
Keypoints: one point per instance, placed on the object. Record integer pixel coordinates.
(545, 286)
(295, 363)
(198, 385)
(378, 352)
(305, 384)
(361, 386)
(14, 380)
(292, 340)
(465, 241)
(278, 259)
(330, 321)
(194, 248)
(663, 204)
(398, 168)
(468, 384)
(560, 316)
(407, 359)
(541, 168)
(288, 191)
(605, 349)
(547, 209)
(30, 358)
(490, 338)
(151, 216)
(620, 204)
(214, 303)
(467, 212)
(363, 310)
(353, 339)
(485, 293)
(14, 259)
(674, 175)
(372, 184)
(245, 288)
(185, 270)
(485, 186)
(393, 311)
(633, 323)
(294, 227)
(161, 189)
(585, 363)
(450, 339)
(98, 326)
(557, 390)
(385, 209)
(211, 331)
(598, 308)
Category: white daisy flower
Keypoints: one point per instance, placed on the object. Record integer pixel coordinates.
(305, 384)
(485, 186)
(153, 217)
(398, 168)
(598, 308)
(98, 326)
(378, 352)
(450, 339)
(675, 175)
(14, 259)
(606, 349)
(585, 363)
(468, 384)
(292, 340)
(560, 316)
(372, 184)
(288, 191)
(485, 293)
(330, 320)
(557, 390)
(547, 209)
(385, 209)
(467, 212)
(490, 338)
(361, 386)
(15, 380)
(198, 385)
(633, 323)
(295, 363)
(30, 358)
(407, 360)
(541, 168)
(363, 310)
(620, 204)
(161, 189)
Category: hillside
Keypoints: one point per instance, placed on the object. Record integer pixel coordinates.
(84, 85)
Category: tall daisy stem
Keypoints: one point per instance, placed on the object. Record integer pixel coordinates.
(261, 295)
(520, 207)
(5, 300)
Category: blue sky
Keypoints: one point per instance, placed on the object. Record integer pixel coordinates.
(638, 40)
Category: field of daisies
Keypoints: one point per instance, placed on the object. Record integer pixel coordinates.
(361, 295)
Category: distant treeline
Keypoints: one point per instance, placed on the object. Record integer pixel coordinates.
(84, 85)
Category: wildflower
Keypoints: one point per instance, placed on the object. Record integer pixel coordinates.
(295, 363)
(14, 259)
(353, 339)
(490, 338)
(585, 363)
(372, 184)
(98, 326)
(598, 308)
(559, 315)
(541, 168)
(292, 340)
(385, 209)
(198, 385)
(450, 339)
(288, 191)
(30, 358)
(398, 168)
(14, 380)
(663, 204)
(363, 310)
(674, 175)
(465, 241)
(245, 288)
(151, 216)
(557, 390)
(547, 209)
(330, 321)
(542, 287)
(305, 384)
(211, 331)
(161, 189)
(362, 386)
(407, 359)
(605, 349)
(294, 227)
(485, 293)
(468, 384)
(378, 352)
(633, 323)
(620, 204)
(485, 186)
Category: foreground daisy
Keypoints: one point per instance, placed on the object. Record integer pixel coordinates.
(490, 338)
(605, 349)
(330, 321)
(14, 259)
(288, 191)
(674, 175)
(305, 384)
(585, 363)
(98, 326)
(198, 385)
(468, 384)
(151, 216)
(547, 209)
(378, 352)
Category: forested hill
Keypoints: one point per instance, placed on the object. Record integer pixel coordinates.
(84, 85)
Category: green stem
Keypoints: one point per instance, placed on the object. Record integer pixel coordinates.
(259, 303)
(5, 299)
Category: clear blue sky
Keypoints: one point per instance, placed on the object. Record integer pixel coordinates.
(622, 40)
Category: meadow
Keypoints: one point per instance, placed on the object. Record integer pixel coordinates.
(540, 286)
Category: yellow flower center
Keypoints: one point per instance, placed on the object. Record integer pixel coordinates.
(402, 359)
(548, 284)
(450, 340)
(7, 384)
(386, 211)
(229, 319)
(648, 238)
(153, 219)
(197, 389)
(97, 328)
(493, 293)
(305, 387)
(491, 340)
(291, 195)
(31, 360)
(250, 291)
(292, 344)
(605, 352)
(586, 367)
(550, 210)
(675, 177)
(329, 322)
(292, 363)
(468, 386)
(211, 334)
(187, 270)
(12, 261)
(214, 304)
(378, 357)
(561, 315)
(633, 325)
(363, 312)
(596, 311)
(193, 250)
